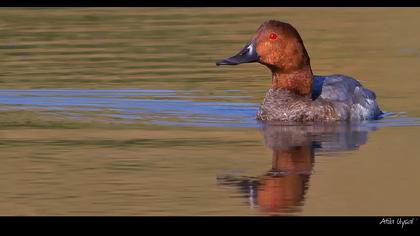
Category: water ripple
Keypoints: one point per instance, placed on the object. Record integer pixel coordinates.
(162, 107)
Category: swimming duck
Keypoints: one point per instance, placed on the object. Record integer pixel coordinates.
(296, 94)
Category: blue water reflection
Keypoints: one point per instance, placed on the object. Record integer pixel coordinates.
(162, 107)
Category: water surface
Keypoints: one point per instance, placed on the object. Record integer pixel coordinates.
(117, 111)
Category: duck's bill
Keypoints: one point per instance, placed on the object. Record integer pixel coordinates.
(248, 54)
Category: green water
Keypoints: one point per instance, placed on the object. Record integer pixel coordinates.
(122, 111)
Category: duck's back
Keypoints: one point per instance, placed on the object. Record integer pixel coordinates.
(351, 100)
(334, 97)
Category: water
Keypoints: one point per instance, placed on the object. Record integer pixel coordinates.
(118, 111)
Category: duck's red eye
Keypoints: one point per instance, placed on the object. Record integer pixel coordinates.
(273, 36)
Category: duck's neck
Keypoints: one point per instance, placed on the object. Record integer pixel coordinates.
(298, 81)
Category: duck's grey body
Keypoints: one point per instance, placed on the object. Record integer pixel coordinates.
(334, 97)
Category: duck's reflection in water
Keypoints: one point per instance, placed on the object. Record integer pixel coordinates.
(282, 189)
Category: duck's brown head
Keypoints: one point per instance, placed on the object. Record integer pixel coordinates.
(278, 46)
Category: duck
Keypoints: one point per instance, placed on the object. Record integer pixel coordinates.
(296, 94)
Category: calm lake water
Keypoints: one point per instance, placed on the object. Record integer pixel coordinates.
(122, 111)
